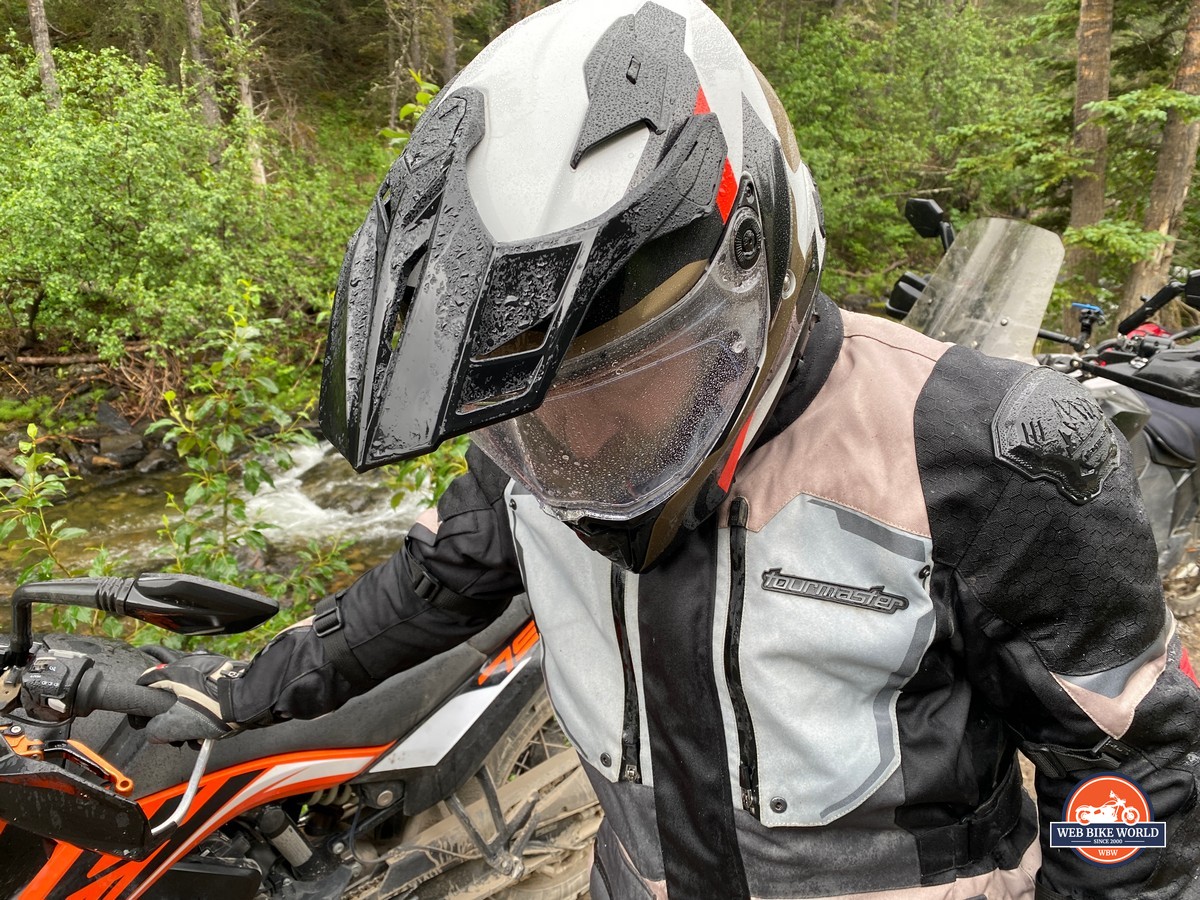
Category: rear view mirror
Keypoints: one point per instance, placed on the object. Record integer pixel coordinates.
(905, 294)
(1191, 289)
(929, 220)
(180, 603)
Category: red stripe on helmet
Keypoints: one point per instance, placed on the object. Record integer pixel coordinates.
(1185, 666)
(727, 192)
(735, 457)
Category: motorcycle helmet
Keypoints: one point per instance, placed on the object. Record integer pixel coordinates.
(598, 254)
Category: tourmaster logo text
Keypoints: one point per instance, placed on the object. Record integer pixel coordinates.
(875, 598)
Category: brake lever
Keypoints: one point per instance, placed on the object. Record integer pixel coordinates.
(163, 830)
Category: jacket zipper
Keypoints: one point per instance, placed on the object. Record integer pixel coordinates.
(739, 515)
(630, 749)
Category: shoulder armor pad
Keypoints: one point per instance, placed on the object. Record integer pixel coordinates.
(1049, 428)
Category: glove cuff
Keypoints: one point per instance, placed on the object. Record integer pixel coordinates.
(225, 690)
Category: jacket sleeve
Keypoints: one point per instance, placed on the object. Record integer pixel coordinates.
(1064, 630)
(455, 574)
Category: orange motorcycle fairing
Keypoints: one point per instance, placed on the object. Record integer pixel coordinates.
(75, 874)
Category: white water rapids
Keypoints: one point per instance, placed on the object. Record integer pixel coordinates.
(320, 498)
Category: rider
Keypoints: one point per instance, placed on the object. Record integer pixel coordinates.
(806, 579)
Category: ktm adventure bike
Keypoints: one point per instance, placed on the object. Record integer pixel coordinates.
(449, 780)
(991, 291)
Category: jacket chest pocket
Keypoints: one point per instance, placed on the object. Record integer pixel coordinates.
(828, 617)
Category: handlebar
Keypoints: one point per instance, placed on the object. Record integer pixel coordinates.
(96, 693)
(1142, 314)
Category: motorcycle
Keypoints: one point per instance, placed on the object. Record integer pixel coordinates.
(449, 780)
(991, 291)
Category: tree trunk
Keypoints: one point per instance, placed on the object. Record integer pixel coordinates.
(449, 43)
(258, 171)
(41, 44)
(194, 16)
(1172, 175)
(1090, 141)
(416, 51)
(393, 77)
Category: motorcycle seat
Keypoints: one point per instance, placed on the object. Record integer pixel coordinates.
(1174, 432)
(378, 717)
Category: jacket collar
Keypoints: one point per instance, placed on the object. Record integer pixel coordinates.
(810, 371)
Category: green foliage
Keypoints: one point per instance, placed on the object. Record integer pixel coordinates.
(233, 407)
(24, 409)
(411, 112)
(26, 511)
(115, 223)
(876, 107)
(429, 475)
(1146, 105)
(236, 427)
(1117, 239)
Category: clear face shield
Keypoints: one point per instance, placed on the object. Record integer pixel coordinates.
(625, 424)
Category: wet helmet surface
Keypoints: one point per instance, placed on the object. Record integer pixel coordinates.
(597, 254)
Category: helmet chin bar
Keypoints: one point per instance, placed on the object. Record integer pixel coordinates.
(625, 544)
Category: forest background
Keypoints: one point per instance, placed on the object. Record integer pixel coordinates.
(178, 180)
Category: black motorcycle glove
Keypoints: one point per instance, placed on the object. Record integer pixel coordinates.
(200, 683)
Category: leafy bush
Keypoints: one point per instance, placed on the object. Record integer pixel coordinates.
(123, 215)
(429, 475)
(26, 514)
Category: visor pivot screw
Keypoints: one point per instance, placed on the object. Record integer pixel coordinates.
(747, 245)
(789, 285)
(778, 805)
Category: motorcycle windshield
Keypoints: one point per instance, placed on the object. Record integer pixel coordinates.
(991, 290)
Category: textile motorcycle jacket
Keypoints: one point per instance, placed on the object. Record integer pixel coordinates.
(929, 559)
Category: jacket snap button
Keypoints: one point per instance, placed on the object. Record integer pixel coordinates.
(778, 805)
(605, 759)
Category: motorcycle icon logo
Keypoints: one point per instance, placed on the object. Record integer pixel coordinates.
(1117, 809)
(1107, 820)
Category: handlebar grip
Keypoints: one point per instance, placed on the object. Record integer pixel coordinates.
(95, 693)
(1142, 314)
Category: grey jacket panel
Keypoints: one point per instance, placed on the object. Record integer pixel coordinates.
(568, 589)
(834, 625)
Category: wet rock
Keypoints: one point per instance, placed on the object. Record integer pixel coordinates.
(8, 464)
(155, 461)
(70, 451)
(123, 449)
(108, 416)
(332, 484)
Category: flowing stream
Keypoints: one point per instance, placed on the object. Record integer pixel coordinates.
(320, 498)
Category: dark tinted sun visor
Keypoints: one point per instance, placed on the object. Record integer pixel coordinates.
(437, 329)
(625, 424)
